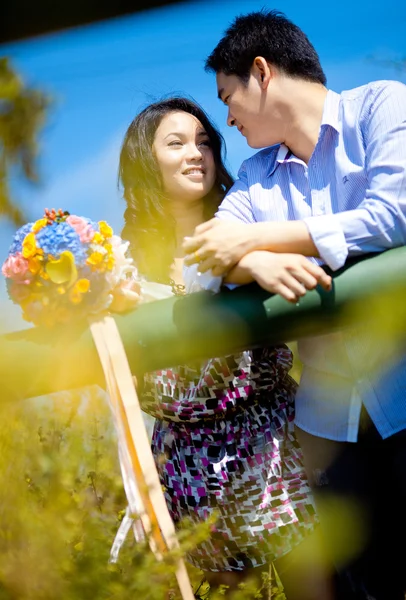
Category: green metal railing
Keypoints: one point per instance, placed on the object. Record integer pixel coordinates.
(168, 332)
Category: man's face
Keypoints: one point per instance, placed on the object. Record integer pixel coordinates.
(249, 109)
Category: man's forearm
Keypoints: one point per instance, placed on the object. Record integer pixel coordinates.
(239, 275)
(287, 237)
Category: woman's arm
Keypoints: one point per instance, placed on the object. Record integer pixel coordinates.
(289, 275)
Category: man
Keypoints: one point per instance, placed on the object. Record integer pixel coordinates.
(330, 184)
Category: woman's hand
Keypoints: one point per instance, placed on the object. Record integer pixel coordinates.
(289, 275)
(126, 296)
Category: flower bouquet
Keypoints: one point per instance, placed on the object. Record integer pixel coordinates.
(64, 267)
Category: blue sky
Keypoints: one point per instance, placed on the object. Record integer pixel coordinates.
(101, 75)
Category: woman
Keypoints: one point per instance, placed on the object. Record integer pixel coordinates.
(223, 438)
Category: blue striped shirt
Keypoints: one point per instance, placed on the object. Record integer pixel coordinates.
(352, 196)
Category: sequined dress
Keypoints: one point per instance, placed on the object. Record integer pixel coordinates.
(224, 442)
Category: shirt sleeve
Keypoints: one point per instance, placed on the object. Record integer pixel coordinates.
(379, 222)
(236, 206)
(196, 281)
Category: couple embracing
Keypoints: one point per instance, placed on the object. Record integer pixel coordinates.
(235, 435)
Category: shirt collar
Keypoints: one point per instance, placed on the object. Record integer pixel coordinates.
(283, 156)
(330, 117)
(331, 111)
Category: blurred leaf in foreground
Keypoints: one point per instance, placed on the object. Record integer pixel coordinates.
(22, 114)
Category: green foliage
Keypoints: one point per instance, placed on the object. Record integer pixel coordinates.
(22, 113)
(61, 504)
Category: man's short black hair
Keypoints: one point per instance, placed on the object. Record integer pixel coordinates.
(266, 33)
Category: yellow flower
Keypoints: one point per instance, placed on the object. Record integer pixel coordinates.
(29, 246)
(98, 238)
(95, 258)
(34, 264)
(105, 229)
(38, 225)
(62, 269)
(82, 286)
(61, 290)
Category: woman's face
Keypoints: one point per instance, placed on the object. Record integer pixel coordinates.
(182, 150)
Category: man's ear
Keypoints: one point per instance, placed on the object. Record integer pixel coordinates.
(262, 71)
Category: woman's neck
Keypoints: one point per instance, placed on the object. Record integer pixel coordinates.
(187, 217)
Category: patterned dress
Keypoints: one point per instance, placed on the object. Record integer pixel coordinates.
(224, 441)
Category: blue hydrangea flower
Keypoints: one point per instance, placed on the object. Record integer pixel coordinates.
(17, 243)
(94, 224)
(59, 237)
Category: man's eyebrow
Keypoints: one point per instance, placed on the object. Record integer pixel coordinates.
(220, 93)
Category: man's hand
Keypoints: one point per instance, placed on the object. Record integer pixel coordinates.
(289, 275)
(219, 245)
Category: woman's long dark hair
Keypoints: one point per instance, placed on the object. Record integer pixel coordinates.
(149, 226)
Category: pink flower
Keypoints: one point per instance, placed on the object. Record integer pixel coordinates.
(82, 228)
(16, 267)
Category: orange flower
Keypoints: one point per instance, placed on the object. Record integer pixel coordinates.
(35, 264)
(82, 286)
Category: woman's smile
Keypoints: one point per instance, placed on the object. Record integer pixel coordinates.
(183, 152)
